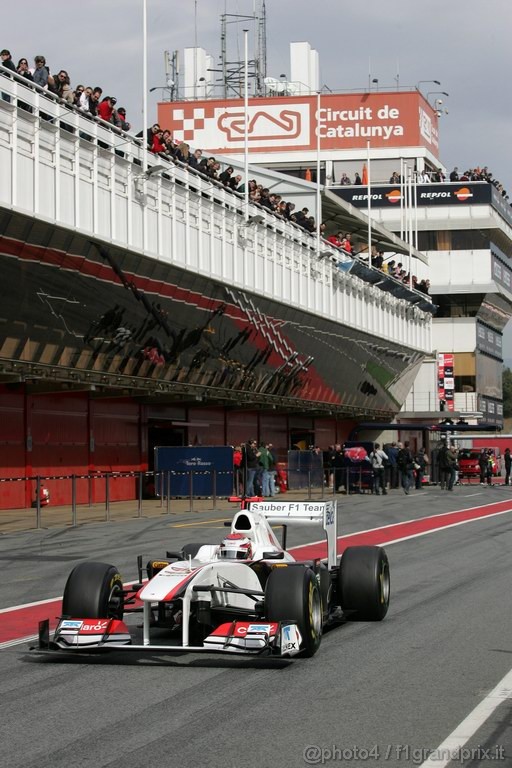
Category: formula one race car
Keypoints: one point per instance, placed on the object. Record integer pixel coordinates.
(246, 596)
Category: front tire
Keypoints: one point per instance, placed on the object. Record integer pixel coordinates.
(364, 583)
(94, 591)
(292, 594)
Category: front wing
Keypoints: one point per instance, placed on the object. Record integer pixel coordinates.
(254, 638)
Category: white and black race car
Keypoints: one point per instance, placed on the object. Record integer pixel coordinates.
(247, 595)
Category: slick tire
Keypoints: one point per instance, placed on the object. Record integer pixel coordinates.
(364, 583)
(293, 594)
(94, 591)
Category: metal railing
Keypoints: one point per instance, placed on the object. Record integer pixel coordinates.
(162, 487)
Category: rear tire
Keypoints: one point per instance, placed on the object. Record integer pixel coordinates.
(364, 583)
(94, 591)
(292, 594)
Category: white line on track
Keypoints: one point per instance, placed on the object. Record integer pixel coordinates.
(19, 641)
(451, 747)
(29, 605)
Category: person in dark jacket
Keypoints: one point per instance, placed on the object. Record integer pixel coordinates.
(485, 467)
(421, 459)
(405, 463)
(7, 62)
(508, 464)
(250, 464)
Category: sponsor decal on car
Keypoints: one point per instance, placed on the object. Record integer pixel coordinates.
(290, 639)
(94, 627)
(70, 624)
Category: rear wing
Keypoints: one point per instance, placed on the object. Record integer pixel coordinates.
(322, 513)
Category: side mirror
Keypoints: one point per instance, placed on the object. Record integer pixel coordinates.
(272, 556)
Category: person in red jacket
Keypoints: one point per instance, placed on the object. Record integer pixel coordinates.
(238, 475)
(106, 108)
(157, 144)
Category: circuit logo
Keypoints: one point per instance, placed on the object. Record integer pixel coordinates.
(394, 196)
(463, 194)
(261, 125)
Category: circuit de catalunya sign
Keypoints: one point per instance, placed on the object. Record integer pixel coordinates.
(284, 124)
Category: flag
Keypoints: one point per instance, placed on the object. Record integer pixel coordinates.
(364, 175)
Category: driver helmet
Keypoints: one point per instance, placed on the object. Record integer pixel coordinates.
(236, 546)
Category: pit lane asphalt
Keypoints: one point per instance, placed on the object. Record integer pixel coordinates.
(391, 687)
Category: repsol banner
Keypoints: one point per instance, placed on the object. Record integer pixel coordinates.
(427, 194)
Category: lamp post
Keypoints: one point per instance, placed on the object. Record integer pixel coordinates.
(246, 125)
(144, 84)
(436, 82)
(318, 191)
(434, 93)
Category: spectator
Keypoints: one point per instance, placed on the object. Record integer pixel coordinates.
(421, 460)
(338, 464)
(250, 465)
(345, 181)
(508, 465)
(265, 460)
(237, 470)
(84, 100)
(41, 72)
(195, 159)
(272, 469)
(392, 452)
(23, 70)
(405, 465)
(357, 180)
(225, 176)
(336, 240)
(290, 207)
(395, 178)
(8, 63)
(454, 175)
(183, 153)
(77, 95)
(234, 183)
(155, 128)
(346, 243)
(94, 100)
(157, 143)
(265, 198)
(378, 459)
(119, 119)
(62, 87)
(106, 109)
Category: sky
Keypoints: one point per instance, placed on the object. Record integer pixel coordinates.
(464, 44)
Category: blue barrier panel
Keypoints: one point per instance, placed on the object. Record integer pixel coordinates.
(305, 469)
(196, 468)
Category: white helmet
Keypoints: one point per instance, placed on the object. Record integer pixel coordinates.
(236, 546)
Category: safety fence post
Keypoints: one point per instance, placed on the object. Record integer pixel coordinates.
(191, 490)
(214, 488)
(168, 493)
(107, 497)
(158, 479)
(73, 501)
(139, 504)
(38, 502)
